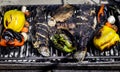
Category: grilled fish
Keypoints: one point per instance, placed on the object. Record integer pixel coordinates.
(41, 39)
(61, 14)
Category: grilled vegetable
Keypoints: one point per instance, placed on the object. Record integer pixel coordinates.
(106, 36)
(102, 13)
(61, 14)
(63, 40)
(16, 29)
(11, 38)
(14, 20)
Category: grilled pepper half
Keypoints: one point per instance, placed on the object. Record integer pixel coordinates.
(63, 40)
(15, 20)
(105, 38)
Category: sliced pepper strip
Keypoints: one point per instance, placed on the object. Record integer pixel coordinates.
(16, 42)
(101, 12)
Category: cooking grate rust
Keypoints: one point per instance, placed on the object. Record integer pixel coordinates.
(27, 53)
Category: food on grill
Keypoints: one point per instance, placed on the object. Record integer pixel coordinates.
(110, 23)
(24, 8)
(11, 38)
(16, 29)
(80, 54)
(66, 25)
(106, 36)
(25, 11)
(103, 13)
(61, 14)
(51, 22)
(100, 13)
(25, 36)
(41, 39)
(63, 40)
(14, 20)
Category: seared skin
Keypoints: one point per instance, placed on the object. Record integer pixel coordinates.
(63, 13)
(41, 39)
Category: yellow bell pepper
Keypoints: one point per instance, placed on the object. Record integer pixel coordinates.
(105, 38)
(14, 19)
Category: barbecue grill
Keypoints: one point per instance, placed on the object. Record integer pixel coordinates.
(27, 57)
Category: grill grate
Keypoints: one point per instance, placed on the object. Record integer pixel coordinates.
(27, 53)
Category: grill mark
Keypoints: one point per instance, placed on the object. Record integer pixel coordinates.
(42, 39)
(41, 35)
(42, 32)
(62, 25)
(42, 24)
(98, 34)
(6, 23)
(41, 29)
(105, 43)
